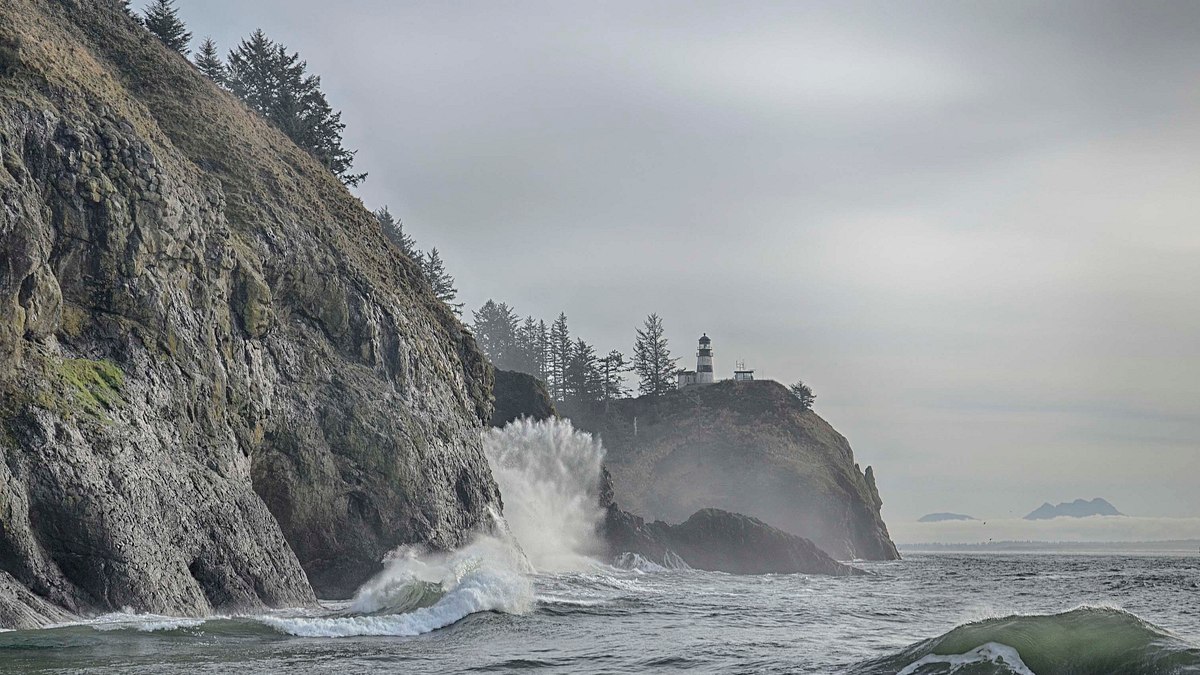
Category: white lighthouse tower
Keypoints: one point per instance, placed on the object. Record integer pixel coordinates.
(704, 365)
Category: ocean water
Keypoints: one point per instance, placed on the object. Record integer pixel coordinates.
(476, 612)
(530, 596)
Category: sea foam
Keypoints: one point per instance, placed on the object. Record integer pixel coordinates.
(991, 652)
(419, 592)
(549, 477)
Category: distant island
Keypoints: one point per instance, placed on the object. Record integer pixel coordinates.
(939, 517)
(1079, 508)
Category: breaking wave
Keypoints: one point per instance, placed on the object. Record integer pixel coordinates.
(1084, 641)
(549, 476)
(419, 592)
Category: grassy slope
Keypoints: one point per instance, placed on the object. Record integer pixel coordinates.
(68, 53)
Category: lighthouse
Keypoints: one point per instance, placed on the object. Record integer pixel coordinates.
(704, 365)
(703, 374)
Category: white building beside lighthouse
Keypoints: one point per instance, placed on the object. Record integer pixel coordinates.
(703, 374)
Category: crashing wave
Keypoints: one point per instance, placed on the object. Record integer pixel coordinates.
(636, 562)
(549, 476)
(1083, 641)
(422, 592)
(672, 561)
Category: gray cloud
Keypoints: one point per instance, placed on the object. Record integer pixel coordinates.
(970, 226)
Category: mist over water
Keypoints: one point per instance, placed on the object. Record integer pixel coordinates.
(549, 477)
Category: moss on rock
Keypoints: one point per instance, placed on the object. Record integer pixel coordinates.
(96, 385)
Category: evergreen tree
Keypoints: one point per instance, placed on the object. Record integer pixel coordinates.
(804, 393)
(528, 358)
(652, 359)
(208, 61)
(394, 231)
(495, 326)
(542, 350)
(162, 19)
(276, 84)
(582, 374)
(252, 73)
(128, 9)
(440, 280)
(559, 348)
(612, 369)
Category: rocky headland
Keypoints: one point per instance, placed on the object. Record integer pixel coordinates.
(742, 447)
(710, 539)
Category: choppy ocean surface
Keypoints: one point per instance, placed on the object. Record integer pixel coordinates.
(930, 613)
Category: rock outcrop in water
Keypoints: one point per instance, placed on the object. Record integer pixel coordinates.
(720, 541)
(745, 447)
(219, 385)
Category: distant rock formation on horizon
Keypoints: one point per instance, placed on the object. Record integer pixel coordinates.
(943, 516)
(1080, 508)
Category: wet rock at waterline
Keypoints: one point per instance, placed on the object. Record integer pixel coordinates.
(719, 541)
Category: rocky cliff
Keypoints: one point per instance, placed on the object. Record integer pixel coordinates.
(219, 385)
(520, 395)
(747, 447)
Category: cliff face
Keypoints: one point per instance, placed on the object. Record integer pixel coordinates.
(743, 447)
(218, 383)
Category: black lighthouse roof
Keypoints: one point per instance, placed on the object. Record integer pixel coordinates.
(704, 339)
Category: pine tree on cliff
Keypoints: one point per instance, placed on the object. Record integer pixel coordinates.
(529, 354)
(495, 326)
(583, 380)
(612, 369)
(440, 280)
(209, 62)
(394, 231)
(162, 19)
(804, 393)
(560, 354)
(276, 84)
(542, 351)
(652, 359)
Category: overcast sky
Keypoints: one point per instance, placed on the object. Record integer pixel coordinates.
(971, 227)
